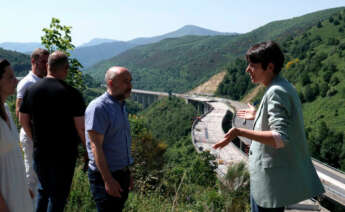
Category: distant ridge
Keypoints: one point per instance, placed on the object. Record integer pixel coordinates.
(185, 30)
(90, 55)
(97, 41)
(99, 49)
(26, 48)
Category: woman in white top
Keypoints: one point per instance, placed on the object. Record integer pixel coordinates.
(14, 191)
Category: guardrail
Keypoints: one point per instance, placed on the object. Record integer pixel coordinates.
(328, 166)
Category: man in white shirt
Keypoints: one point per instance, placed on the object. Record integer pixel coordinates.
(39, 58)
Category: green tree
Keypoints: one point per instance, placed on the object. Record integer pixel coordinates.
(319, 24)
(334, 81)
(327, 76)
(331, 148)
(58, 37)
(323, 89)
(311, 92)
(331, 19)
(316, 137)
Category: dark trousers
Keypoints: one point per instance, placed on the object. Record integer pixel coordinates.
(104, 201)
(55, 184)
(256, 208)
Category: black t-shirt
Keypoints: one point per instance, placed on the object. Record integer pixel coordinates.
(52, 104)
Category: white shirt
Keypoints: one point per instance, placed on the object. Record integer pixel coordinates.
(25, 83)
(26, 142)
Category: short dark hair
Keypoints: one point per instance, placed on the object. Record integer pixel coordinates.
(265, 53)
(57, 60)
(3, 64)
(37, 53)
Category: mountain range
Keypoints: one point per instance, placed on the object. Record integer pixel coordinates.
(186, 30)
(181, 64)
(97, 41)
(96, 51)
(25, 48)
(100, 48)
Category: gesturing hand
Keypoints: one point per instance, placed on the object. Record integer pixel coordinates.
(229, 136)
(113, 188)
(221, 144)
(248, 114)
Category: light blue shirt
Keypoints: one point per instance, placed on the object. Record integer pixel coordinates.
(109, 117)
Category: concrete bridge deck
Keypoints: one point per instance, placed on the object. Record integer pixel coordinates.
(208, 131)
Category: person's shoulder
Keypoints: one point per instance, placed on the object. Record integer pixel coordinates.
(96, 105)
(98, 102)
(280, 84)
(27, 81)
(282, 89)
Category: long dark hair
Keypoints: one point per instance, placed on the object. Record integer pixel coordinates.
(3, 64)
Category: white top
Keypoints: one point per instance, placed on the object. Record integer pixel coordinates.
(27, 144)
(25, 83)
(13, 186)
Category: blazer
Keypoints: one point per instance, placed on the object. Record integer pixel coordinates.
(280, 177)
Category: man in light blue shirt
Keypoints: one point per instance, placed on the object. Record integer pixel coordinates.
(108, 142)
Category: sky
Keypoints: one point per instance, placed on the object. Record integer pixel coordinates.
(23, 20)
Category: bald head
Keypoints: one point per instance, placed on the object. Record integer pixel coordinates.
(118, 80)
(58, 64)
(113, 72)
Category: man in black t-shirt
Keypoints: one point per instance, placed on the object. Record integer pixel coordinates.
(52, 114)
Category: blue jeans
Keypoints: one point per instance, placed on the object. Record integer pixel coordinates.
(256, 208)
(55, 181)
(105, 202)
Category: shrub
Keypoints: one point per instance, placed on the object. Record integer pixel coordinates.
(323, 89)
(332, 92)
(305, 79)
(310, 92)
(332, 41)
(331, 19)
(327, 76)
(334, 81)
(80, 197)
(319, 24)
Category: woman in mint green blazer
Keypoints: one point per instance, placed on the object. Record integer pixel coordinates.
(280, 167)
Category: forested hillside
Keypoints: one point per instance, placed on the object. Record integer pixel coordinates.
(180, 64)
(101, 49)
(20, 62)
(315, 64)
